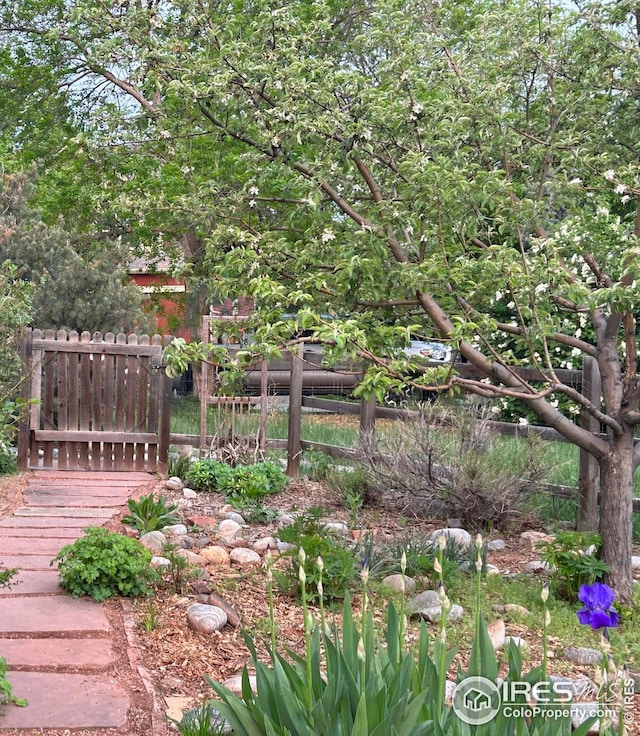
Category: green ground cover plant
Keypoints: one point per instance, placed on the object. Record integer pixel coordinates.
(6, 689)
(242, 484)
(104, 564)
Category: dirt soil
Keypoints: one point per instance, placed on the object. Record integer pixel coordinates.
(177, 658)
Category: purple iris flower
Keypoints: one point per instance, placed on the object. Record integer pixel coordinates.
(597, 611)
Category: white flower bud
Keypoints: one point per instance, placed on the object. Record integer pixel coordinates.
(437, 566)
(302, 556)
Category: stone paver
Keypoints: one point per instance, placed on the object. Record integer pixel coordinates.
(28, 562)
(48, 522)
(52, 532)
(22, 546)
(38, 614)
(66, 701)
(68, 512)
(45, 500)
(30, 582)
(58, 648)
(85, 654)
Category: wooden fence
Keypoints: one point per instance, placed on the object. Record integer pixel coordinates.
(587, 381)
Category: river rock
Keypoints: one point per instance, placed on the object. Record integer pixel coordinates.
(205, 618)
(235, 684)
(233, 619)
(263, 544)
(189, 493)
(235, 516)
(399, 583)
(154, 541)
(517, 641)
(497, 633)
(216, 556)
(511, 608)
(228, 529)
(157, 561)
(581, 686)
(174, 484)
(245, 557)
(426, 599)
(534, 537)
(496, 545)
(635, 563)
(193, 558)
(433, 614)
(174, 530)
(580, 712)
(582, 655)
(337, 528)
(461, 537)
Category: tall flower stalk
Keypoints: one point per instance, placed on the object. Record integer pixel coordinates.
(302, 576)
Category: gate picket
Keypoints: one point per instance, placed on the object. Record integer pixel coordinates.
(99, 402)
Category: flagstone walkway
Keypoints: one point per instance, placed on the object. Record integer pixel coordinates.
(59, 649)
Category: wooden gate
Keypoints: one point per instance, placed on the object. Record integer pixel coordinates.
(97, 402)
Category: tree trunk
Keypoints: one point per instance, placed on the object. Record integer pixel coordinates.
(616, 508)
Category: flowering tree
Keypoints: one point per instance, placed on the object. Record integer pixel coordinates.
(466, 173)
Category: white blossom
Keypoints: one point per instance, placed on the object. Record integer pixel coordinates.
(609, 175)
(254, 191)
(620, 189)
(327, 235)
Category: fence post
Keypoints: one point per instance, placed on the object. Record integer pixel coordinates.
(294, 448)
(26, 354)
(367, 422)
(589, 480)
(262, 429)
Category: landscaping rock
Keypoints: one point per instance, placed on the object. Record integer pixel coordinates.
(582, 655)
(492, 570)
(203, 522)
(174, 530)
(174, 484)
(235, 516)
(201, 587)
(238, 542)
(497, 633)
(510, 608)
(635, 563)
(233, 619)
(433, 614)
(535, 537)
(235, 684)
(496, 545)
(536, 566)
(158, 561)
(338, 528)
(581, 686)
(189, 493)
(286, 519)
(263, 544)
(518, 641)
(205, 618)
(462, 537)
(228, 529)
(580, 712)
(193, 558)
(154, 541)
(216, 556)
(426, 599)
(399, 583)
(245, 557)
(284, 546)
